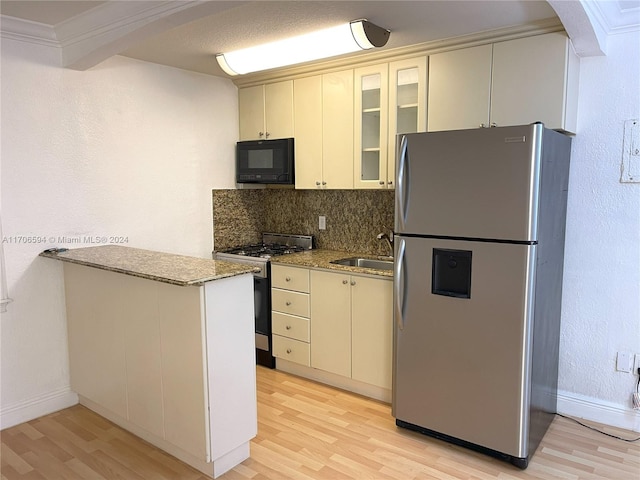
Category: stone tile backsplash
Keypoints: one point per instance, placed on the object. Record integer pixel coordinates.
(354, 217)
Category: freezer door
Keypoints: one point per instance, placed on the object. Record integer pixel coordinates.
(479, 183)
(462, 350)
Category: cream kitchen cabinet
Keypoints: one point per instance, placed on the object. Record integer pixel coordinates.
(331, 322)
(459, 89)
(323, 131)
(290, 313)
(372, 331)
(266, 111)
(407, 105)
(389, 99)
(535, 79)
(371, 124)
(508, 83)
(352, 326)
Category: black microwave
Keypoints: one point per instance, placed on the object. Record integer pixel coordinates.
(265, 161)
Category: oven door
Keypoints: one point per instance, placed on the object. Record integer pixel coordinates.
(262, 299)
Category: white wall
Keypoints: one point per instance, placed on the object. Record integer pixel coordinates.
(127, 148)
(601, 293)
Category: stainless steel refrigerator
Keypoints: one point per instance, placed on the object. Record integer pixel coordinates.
(479, 246)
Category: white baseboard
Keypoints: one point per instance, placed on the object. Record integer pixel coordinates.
(35, 407)
(601, 411)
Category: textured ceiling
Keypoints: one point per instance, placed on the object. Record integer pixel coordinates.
(187, 34)
(192, 46)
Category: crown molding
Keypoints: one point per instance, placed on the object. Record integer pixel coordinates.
(26, 31)
(96, 30)
(115, 16)
(612, 18)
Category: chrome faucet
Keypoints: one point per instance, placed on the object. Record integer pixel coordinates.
(388, 239)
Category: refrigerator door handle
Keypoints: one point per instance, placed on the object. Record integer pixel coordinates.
(398, 284)
(402, 182)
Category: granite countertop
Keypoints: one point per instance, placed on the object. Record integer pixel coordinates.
(320, 258)
(162, 267)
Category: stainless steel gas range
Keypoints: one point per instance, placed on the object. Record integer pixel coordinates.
(259, 255)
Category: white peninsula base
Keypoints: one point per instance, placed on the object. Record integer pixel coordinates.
(175, 365)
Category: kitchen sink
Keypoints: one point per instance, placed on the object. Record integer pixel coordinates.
(365, 263)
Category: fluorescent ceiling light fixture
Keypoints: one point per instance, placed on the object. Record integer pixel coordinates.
(330, 42)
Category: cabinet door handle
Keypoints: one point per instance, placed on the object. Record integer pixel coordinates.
(482, 125)
(324, 183)
(389, 182)
(288, 303)
(267, 135)
(353, 282)
(318, 184)
(288, 351)
(344, 282)
(494, 124)
(381, 182)
(288, 327)
(287, 279)
(261, 134)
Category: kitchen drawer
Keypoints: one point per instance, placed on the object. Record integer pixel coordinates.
(293, 303)
(292, 350)
(290, 278)
(290, 326)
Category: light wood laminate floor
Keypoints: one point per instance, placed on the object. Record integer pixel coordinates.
(306, 431)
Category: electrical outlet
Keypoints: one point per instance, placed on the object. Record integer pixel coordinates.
(636, 364)
(623, 362)
(322, 222)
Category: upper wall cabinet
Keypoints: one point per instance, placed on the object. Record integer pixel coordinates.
(532, 79)
(389, 99)
(323, 126)
(544, 69)
(459, 89)
(407, 105)
(370, 129)
(266, 111)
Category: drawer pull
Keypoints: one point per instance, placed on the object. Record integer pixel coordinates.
(288, 303)
(288, 351)
(288, 327)
(344, 282)
(287, 279)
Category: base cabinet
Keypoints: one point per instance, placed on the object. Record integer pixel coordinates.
(372, 331)
(153, 358)
(352, 326)
(331, 322)
(290, 315)
(335, 324)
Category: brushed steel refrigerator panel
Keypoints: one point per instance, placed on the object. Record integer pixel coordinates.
(461, 365)
(479, 183)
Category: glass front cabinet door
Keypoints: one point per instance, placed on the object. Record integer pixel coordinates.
(371, 137)
(390, 99)
(407, 105)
